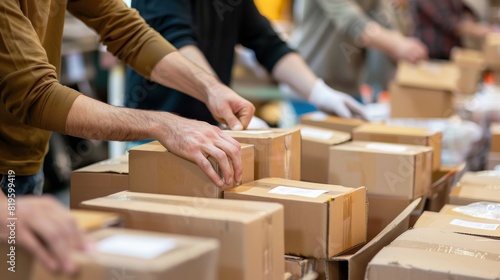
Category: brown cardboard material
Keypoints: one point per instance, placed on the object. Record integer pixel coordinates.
(402, 135)
(467, 194)
(250, 233)
(430, 75)
(298, 267)
(442, 182)
(492, 161)
(471, 64)
(99, 179)
(462, 224)
(320, 119)
(315, 151)
(154, 170)
(190, 258)
(395, 170)
(277, 151)
(489, 178)
(352, 266)
(433, 254)
(93, 220)
(495, 138)
(491, 49)
(320, 226)
(414, 102)
(382, 210)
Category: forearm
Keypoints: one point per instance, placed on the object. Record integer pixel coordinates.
(175, 71)
(471, 28)
(378, 37)
(193, 54)
(92, 119)
(293, 71)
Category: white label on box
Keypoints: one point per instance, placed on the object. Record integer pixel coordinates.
(297, 191)
(316, 133)
(318, 116)
(255, 131)
(144, 247)
(386, 147)
(474, 225)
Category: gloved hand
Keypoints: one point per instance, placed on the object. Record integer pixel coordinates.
(331, 101)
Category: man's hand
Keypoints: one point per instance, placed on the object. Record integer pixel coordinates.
(410, 50)
(47, 230)
(331, 101)
(196, 141)
(229, 108)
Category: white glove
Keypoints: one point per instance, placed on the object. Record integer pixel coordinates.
(331, 101)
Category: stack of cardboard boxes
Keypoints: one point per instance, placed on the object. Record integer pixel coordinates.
(475, 187)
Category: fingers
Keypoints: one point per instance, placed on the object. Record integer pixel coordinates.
(341, 110)
(356, 108)
(246, 114)
(206, 166)
(231, 120)
(41, 253)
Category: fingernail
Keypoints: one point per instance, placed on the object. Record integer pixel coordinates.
(238, 127)
(221, 183)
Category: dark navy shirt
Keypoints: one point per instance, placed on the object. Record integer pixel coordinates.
(215, 27)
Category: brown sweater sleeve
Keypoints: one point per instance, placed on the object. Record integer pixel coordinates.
(124, 32)
(29, 88)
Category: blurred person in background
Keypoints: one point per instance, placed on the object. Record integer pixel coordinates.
(333, 36)
(441, 25)
(207, 32)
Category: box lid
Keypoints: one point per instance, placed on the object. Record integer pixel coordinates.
(260, 133)
(428, 75)
(322, 135)
(381, 148)
(117, 165)
(293, 190)
(394, 130)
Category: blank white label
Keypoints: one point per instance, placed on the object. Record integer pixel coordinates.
(474, 225)
(297, 191)
(318, 116)
(386, 147)
(316, 133)
(144, 247)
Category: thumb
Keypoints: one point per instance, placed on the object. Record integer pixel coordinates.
(231, 120)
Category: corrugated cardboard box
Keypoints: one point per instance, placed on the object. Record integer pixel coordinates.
(277, 151)
(492, 51)
(467, 194)
(424, 90)
(442, 182)
(395, 170)
(323, 120)
(462, 224)
(128, 254)
(352, 266)
(402, 135)
(315, 151)
(99, 179)
(434, 254)
(155, 170)
(471, 64)
(298, 267)
(495, 138)
(382, 210)
(489, 178)
(486, 210)
(321, 220)
(250, 233)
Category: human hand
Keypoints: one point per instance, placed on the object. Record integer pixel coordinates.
(410, 49)
(47, 230)
(331, 101)
(196, 141)
(229, 108)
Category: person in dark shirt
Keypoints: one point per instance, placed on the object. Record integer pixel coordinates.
(441, 24)
(207, 32)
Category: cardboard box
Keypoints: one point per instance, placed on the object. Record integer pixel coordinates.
(491, 50)
(402, 135)
(298, 267)
(99, 179)
(472, 65)
(250, 233)
(320, 119)
(462, 224)
(93, 220)
(487, 178)
(394, 170)
(442, 182)
(277, 151)
(417, 93)
(128, 254)
(155, 170)
(495, 138)
(321, 220)
(450, 210)
(316, 143)
(433, 254)
(467, 194)
(352, 266)
(382, 210)
(492, 161)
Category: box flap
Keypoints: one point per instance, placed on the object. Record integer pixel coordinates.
(358, 261)
(462, 224)
(381, 148)
(322, 135)
(92, 220)
(428, 75)
(394, 130)
(117, 165)
(292, 190)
